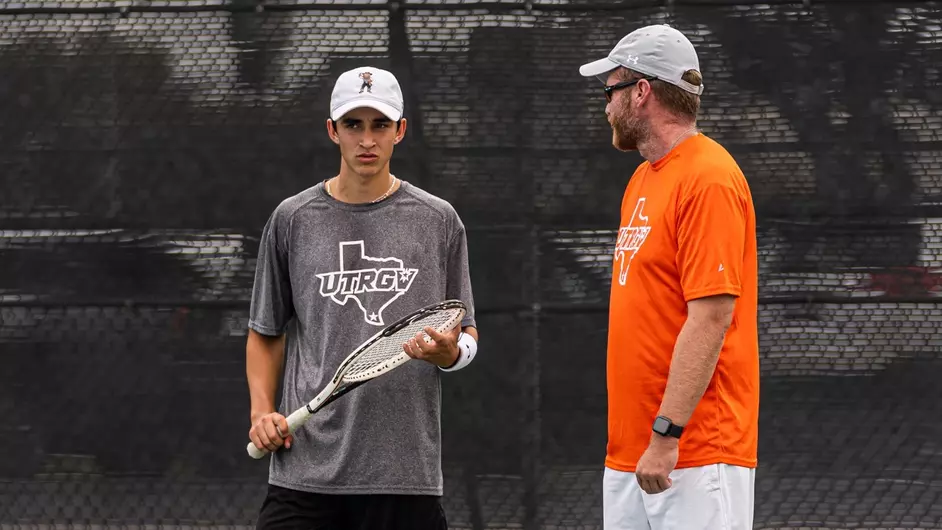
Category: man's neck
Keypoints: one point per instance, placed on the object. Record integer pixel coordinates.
(353, 188)
(663, 138)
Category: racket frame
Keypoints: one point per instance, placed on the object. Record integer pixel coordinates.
(334, 388)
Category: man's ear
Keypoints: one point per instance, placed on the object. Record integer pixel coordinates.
(400, 131)
(332, 131)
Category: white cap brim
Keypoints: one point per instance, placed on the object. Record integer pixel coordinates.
(388, 110)
(597, 68)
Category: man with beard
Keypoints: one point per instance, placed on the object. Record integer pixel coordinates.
(683, 362)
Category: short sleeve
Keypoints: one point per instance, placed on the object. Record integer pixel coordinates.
(459, 274)
(711, 238)
(272, 306)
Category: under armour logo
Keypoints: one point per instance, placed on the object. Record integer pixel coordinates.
(633, 59)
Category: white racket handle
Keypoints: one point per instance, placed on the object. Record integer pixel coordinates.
(295, 420)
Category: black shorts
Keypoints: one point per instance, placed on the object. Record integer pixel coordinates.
(286, 509)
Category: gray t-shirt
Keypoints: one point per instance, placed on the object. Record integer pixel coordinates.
(331, 275)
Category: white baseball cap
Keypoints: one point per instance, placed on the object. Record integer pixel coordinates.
(659, 51)
(366, 86)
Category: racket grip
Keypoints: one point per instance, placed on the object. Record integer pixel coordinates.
(295, 420)
(255, 452)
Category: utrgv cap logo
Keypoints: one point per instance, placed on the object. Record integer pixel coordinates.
(367, 78)
(366, 86)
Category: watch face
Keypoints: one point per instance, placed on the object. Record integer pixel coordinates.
(661, 425)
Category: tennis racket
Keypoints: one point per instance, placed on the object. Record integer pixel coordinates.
(380, 354)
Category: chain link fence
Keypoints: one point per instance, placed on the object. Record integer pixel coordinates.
(144, 143)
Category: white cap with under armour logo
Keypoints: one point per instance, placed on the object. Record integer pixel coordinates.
(366, 86)
(658, 50)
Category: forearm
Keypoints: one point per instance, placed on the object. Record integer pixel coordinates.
(692, 365)
(264, 357)
(471, 330)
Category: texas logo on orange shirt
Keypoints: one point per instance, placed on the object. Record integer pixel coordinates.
(630, 239)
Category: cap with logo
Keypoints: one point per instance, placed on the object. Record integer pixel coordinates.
(659, 51)
(366, 86)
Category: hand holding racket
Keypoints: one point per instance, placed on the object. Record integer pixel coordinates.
(440, 349)
(380, 354)
(271, 431)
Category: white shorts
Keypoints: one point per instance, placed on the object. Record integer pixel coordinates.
(713, 497)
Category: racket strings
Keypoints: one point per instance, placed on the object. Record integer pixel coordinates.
(389, 348)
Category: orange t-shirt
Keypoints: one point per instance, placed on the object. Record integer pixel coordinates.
(688, 230)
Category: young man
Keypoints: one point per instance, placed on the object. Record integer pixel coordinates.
(683, 361)
(338, 262)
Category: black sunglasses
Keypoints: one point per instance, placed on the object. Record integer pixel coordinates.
(609, 89)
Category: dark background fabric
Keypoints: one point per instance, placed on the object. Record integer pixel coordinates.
(143, 147)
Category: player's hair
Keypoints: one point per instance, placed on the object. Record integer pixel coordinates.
(676, 100)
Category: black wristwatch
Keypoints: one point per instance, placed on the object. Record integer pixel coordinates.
(666, 427)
